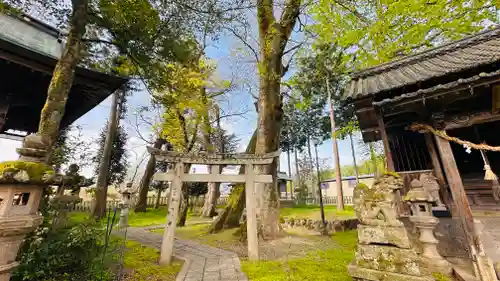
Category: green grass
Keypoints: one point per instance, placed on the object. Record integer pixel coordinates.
(151, 217)
(313, 212)
(158, 216)
(320, 265)
(78, 217)
(199, 232)
(141, 262)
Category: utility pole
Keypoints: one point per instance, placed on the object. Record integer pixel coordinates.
(338, 176)
(354, 158)
(324, 231)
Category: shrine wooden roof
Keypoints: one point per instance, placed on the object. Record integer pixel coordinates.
(27, 71)
(428, 67)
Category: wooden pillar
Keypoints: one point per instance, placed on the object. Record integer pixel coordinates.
(438, 171)
(385, 141)
(252, 238)
(456, 187)
(167, 244)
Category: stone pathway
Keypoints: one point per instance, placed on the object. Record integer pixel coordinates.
(201, 262)
(491, 236)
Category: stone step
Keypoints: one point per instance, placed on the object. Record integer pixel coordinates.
(463, 275)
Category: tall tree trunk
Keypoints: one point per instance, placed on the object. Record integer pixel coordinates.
(213, 192)
(158, 197)
(289, 162)
(181, 221)
(184, 206)
(336, 157)
(356, 172)
(142, 201)
(297, 167)
(63, 75)
(101, 192)
(231, 215)
(273, 38)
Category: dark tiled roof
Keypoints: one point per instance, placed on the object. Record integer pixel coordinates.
(480, 49)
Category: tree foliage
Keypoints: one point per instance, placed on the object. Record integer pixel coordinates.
(374, 32)
(118, 162)
(292, 131)
(70, 148)
(321, 72)
(72, 253)
(229, 141)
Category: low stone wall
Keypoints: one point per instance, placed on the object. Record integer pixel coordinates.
(315, 225)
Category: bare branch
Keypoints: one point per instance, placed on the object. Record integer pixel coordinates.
(232, 115)
(245, 42)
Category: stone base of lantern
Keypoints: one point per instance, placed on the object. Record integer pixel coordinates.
(365, 274)
(430, 259)
(12, 232)
(429, 265)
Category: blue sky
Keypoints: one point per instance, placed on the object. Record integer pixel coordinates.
(227, 52)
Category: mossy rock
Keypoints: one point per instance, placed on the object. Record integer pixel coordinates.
(362, 186)
(393, 174)
(438, 276)
(36, 171)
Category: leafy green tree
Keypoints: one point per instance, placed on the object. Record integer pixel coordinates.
(147, 35)
(378, 31)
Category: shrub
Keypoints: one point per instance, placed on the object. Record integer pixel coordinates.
(72, 253)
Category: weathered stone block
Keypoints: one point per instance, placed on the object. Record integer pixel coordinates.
(360, 273)
(388, 235)
(389, 259)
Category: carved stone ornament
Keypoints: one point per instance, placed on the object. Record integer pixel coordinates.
(384, 250)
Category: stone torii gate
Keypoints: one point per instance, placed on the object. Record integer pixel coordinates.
(214, 161)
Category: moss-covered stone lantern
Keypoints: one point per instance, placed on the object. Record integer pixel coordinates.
(421, 206)
(21, 187)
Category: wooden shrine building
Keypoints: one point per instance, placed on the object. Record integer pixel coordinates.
(455, 88)
(449, 91)
(29, 50)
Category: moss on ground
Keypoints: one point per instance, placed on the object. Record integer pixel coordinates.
(199, 233)
(141, 264)
(438, 276)
(313, 212)
(320, 265)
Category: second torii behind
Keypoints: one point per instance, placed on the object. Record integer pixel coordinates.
(177, 177)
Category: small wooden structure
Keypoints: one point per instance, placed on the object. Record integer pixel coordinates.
(177, 177)
(455, 88)
(29, 51)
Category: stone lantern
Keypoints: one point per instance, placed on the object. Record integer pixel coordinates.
(21, 187)
(421, 206)
(125, 204)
